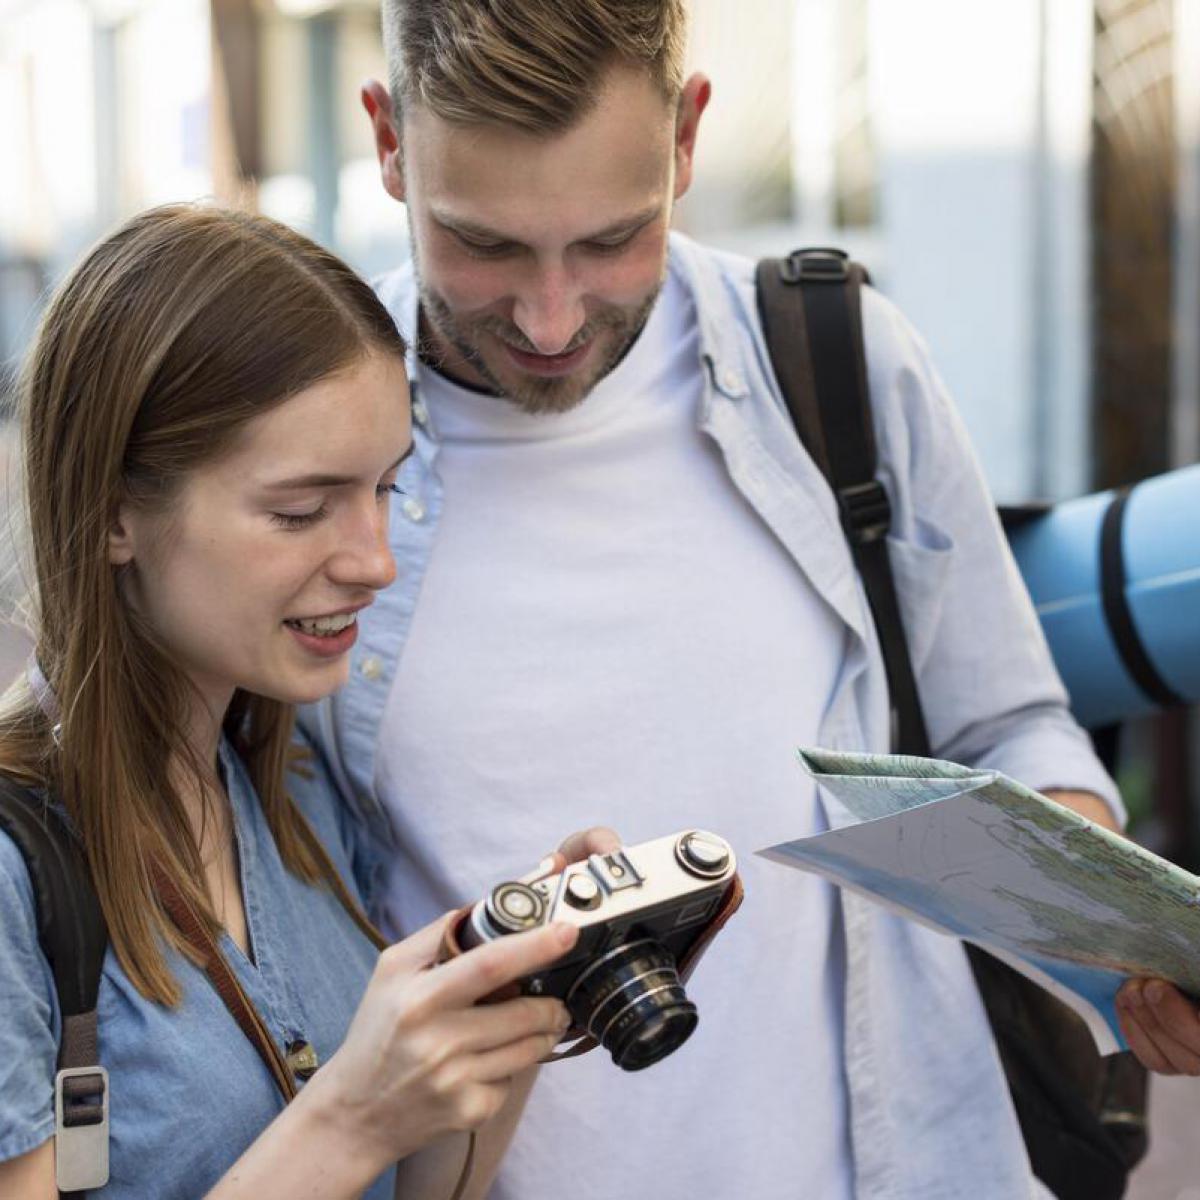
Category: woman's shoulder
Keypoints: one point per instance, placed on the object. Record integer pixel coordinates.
(21, 954)
(29, 1030)
(16, 885)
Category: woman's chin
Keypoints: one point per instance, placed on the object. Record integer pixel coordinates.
(314, 686)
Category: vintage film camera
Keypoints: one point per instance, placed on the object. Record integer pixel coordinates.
(645, 913)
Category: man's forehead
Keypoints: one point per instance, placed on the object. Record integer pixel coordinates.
(614, 161)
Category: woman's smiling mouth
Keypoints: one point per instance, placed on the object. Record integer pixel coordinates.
(327, 636)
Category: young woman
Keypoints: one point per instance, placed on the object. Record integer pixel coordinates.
(214, 414)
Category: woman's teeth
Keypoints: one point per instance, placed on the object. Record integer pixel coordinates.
(323, 626)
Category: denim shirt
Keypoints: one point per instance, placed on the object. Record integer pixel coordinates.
(930, 1114)
(188, 1092)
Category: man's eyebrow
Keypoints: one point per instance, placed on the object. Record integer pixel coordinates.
(482, 233)
(316, 480)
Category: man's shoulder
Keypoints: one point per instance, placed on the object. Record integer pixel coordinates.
(684, 247)
(887, 334)
(703, 268)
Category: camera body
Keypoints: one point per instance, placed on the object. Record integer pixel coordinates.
(644, 914)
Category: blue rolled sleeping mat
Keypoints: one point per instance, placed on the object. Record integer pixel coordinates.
(1115, 578)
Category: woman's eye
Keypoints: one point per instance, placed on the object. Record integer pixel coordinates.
(298, 520)
(389, 489)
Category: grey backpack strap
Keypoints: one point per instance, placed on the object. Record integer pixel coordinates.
(74, 937)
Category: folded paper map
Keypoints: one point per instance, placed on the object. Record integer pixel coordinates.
(974, 854)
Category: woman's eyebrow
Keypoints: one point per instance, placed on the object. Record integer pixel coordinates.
(318, 480)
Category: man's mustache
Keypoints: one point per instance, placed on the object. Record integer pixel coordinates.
(512, 336)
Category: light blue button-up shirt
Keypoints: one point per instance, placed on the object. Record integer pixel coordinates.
(929, 1110)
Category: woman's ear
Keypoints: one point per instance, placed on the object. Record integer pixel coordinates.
(120, 538)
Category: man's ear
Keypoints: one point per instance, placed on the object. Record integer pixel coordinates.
(120, 538)
(693, 100)
(378, 105)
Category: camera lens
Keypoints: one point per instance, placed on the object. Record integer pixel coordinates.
(631, 1001)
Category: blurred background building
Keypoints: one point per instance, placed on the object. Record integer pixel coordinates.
(1021, 176)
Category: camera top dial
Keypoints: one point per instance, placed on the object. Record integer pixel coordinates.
(703, 854)
(513, 907)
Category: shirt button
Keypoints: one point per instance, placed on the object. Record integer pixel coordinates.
(302, 1059)
(413, 509)
(370, 667)
(731, 381)
(420, 412)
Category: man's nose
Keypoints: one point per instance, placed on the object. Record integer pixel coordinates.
(550, 311)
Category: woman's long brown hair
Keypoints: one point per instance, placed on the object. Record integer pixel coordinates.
(168, 338)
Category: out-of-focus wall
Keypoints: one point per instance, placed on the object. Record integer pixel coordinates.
(948, 145)
(106, 111)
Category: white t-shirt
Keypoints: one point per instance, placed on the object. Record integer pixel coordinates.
(607, 634)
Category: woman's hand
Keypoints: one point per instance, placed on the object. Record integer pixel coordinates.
(420, 1059)
(575, 847)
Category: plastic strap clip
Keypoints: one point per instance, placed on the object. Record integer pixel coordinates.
(823, 264)
(81, 1128)
(866, 511)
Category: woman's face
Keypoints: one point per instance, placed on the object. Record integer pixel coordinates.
(253, 577)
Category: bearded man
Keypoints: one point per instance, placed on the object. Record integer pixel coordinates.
(624, 596)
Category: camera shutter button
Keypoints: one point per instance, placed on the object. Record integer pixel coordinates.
(582, 891)
(703, 853)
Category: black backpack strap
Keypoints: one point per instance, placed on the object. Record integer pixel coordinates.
(810, 308)
(1082, 1117)
(74, 937)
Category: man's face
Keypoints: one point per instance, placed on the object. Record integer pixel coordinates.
(539, 258)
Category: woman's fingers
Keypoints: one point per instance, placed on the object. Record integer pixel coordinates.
(417, 951)
(486, 1026)
(485, 969)
(599, 839)
(478, 1103)
(495, 1066)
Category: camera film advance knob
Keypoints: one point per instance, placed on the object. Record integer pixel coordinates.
(513, 907)
(582, 891)
(702, 854)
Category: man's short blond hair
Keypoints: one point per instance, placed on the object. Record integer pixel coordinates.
(534, 64)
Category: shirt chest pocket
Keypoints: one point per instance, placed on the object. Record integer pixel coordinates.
(921, 569)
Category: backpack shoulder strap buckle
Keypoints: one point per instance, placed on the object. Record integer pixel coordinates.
(819, 264)
(866, 511)
(81, 1128)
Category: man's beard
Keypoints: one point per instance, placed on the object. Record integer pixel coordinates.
(532, 393)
